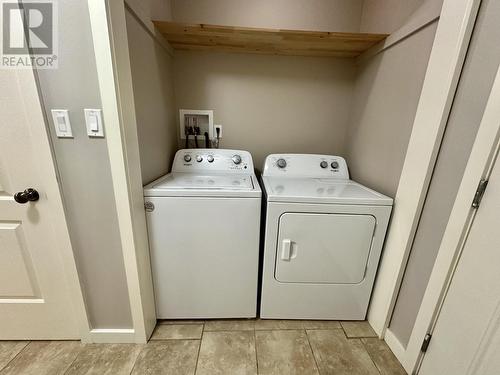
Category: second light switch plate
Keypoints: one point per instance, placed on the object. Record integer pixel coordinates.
(93, 120)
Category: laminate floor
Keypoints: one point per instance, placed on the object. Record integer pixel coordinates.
(213, 347)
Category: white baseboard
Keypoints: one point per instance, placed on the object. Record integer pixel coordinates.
(397, 348)
(111, 336)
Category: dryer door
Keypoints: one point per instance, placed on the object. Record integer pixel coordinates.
(323, 248)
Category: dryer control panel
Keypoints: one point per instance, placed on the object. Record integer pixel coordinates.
(208, 160)
(306, 165)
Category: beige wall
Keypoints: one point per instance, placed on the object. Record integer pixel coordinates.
(242, 89)
(269, 104)
(386, 16)
(151, 67)
(151, 9)
(85, 173)
(385, 100)
(328, 15)
(377, 16)
(470, 100)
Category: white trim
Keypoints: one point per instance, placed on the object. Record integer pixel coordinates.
(441, 79)
(112, 336)
(481, 160)
(393, 343)
(115, 86)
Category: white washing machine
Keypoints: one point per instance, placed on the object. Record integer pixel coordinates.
(203, 224)
(323, 239)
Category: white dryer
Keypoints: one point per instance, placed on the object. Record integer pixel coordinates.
(203, 224)
(323, 239)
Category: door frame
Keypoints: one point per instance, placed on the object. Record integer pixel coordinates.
(447, 58)
(484, 152)
(109, 34)
(28, 80)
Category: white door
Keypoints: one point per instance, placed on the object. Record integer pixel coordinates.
(466, 338)
(40, 296)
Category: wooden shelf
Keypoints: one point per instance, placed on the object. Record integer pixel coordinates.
(203, 37)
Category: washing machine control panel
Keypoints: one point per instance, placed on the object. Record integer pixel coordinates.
(306, 165)
(213, 160)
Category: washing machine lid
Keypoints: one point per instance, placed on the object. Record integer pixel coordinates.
(321, 190)
(194, 184)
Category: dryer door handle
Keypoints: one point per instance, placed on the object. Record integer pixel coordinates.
(286, 249)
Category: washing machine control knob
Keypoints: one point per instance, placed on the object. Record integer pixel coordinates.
(236, 159)
(281, 163)
(323, 164)
(210, 158)
(199, 158)
(187, 158)
(335, 164)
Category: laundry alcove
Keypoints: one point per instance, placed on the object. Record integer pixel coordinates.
(361, 105)
(328, 77)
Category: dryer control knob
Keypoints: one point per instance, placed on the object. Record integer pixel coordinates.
(335, 164)
(199, 158)
(323, 164)
(281, 163)
(210, 158)
(236, 159)
(187, 158)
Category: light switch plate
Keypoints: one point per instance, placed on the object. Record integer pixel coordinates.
(61, 123)
(93, 120)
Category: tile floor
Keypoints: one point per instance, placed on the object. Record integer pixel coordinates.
(232, 347)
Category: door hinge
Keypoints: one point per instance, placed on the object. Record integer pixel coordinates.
(481, 187)
(425, 343)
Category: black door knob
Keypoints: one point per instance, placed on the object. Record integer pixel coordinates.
(29, 195)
